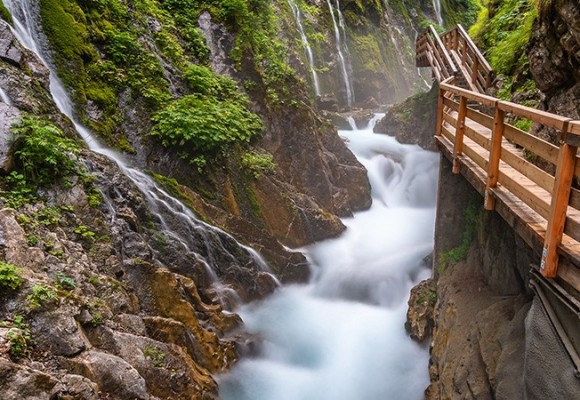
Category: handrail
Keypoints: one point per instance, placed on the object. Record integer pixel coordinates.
(548, 195)
(458, 54)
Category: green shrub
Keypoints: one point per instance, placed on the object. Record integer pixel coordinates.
(10, 278)
(155, 355)
(65, 282)
(257, 163)
(40, 295)
(19, 341)
(200, 127)
(42, 152)
(203, 81)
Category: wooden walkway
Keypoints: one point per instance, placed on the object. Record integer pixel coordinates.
(503, 162)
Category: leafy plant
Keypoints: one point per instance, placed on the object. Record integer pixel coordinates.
(155, 355)
(40, 295)
(199, 127)
(19, 193)
(65, 282)
(19, 340)
(10, 278)
(257, 163)
(84, 232)
(42, 153)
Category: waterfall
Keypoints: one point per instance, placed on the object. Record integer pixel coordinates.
(342, 336)
(307, 49)
(177, 221)
(4, 97)
(340, 45)
(437, 9)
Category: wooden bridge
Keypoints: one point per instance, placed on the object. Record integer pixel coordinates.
(527, 180)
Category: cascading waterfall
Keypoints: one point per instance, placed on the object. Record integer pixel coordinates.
(340, 45)
(342, 336)
(177, 221)
(4, 97)
(437, 9)
(307, 49)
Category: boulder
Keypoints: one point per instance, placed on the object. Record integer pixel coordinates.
(8, 115)
(23, 383)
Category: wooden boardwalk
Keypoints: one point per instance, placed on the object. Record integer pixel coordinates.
(527, 180)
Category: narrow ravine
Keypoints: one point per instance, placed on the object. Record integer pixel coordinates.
(342, 336)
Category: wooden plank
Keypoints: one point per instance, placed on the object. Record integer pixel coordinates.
(574, 127)
(451, 104)
(478, 97)
(495, 156)
(542, 117)
(444, 51)
(540, 147)
(473, 48)
(439, 112)
(557, 219)
(535, 174)
(459, 132)
(480, 118)
(529, 194)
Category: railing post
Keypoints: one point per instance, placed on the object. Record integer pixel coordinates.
(494, 158)
(558, 208)
(439, 112)
(455, 39)
(459, 131)
(464, 52)
(474, 69)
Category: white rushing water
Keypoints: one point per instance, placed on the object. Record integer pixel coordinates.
(342, 336)
(307, 49)
(4, 97)
(180, 223)
(437, 9)
(340, 39)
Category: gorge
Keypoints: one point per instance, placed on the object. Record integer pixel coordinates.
(179, 219)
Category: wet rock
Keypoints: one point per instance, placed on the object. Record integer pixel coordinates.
(57, 332)
(20, 382)
(72, 387)
(112, 374)
(13, 241)
(8, 115)
(219, 42)
(421, 307)
(10, 48)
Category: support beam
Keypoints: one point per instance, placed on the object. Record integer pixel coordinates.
(494, 157)
(459, 132)
(557, 218)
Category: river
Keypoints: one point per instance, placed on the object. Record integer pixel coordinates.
(342, 335)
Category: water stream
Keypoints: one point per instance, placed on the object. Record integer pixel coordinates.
(340, 39)
(176, 221)
(342, 336)
(307, 49)
(4, 97)
(437, 9)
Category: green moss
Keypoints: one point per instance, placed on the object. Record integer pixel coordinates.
(453, 256)
(5, 14)
(464, 12)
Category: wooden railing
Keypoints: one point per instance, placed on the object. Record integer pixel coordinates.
(454, 55)
(471, 63)
(529, 177)
(431, 52)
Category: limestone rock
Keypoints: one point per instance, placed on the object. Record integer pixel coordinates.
(13, 242)
(57, 332)
(23, 383)
(8, 115)
(420, 313)
(75, 387)
(112, 374)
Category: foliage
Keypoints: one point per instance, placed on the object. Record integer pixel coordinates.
(65, 282)
(19, 340)
(204, 82)
(5, 14)
(10, 278)
(42, 152)
(257, 163)
(459, 253)
(40, 295)
(155, 355)
(503, 31)
(199, 127)
(19, 193)
(84, 232)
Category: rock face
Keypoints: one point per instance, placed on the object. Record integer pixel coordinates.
(491, 337)
(554, 53)
(413, 121)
